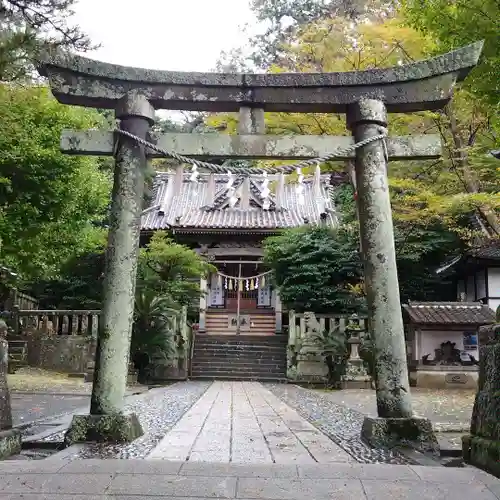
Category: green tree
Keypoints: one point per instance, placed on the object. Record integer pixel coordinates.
(78, 286)
(316, 269)
(171, 270)
(464, 182)
(28, 26)
(50, 203)
(456, 23)
(284, 19)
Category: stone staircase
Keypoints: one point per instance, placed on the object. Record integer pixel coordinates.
(239, 357)
(18, 354)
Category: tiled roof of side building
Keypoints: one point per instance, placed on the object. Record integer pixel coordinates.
(449, 313)
(182, 204)
(489, 250)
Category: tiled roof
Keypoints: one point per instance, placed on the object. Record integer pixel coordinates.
(188, 206)
(489, 250)
(449, 313)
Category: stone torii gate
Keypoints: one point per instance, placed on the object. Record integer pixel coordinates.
(364, 96)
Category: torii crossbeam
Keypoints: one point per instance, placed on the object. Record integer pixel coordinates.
(364, 96)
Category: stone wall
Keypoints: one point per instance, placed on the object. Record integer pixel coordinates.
(62, 353)
(444, 376)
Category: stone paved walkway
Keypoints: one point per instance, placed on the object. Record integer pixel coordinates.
(53, 479)
(243, 422)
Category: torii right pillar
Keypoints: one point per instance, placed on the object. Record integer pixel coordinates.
(395, 423)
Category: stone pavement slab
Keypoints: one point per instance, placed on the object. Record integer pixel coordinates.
(163, 479)
(243, 422)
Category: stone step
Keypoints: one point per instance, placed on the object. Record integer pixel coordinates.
(17, 348)
(22, 343)
(240, 359)
(230, 376)
(247, 339)
(231, 351)
(238, 367)
(16, 357)
(239, 345)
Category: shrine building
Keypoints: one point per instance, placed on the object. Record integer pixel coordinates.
(225, 218)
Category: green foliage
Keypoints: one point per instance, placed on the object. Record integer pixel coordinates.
(79, 285)
(320, 269)
(335, 350)
(316, 269)
(50, 202)
(171, 270)
(28, 26)
(454, 24)
(153, 331)
(284, 19)
(420, 247)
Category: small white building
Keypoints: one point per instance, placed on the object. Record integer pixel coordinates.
(442, 342)
(477, 274)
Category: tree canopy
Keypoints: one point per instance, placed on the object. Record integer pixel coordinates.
(461, 186)
(316, 269)
(454, 24)
(51, 203)
(29, 26)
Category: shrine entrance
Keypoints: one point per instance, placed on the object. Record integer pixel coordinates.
(365, 97)
(240, 300)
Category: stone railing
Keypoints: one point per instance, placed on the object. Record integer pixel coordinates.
(297, 324)
(56, 322)
(305, 359)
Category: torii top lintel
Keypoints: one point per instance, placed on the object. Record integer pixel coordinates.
(419, 86)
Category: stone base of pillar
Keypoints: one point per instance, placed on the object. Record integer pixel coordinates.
(411, 432)
(482, 452)
(116, 428)
(356, 376)
(10, 443)
(357, 383)
(312, 369)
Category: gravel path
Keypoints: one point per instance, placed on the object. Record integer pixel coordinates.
(158, 411)
(446, 409)
(341, 424)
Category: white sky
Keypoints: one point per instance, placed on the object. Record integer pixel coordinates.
(182, 35)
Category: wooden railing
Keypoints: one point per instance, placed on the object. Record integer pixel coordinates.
(57, 322)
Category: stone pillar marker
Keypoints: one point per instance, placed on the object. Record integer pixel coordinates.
(395, 422)
(106, 421)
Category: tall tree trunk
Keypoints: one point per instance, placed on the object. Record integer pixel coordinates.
(461, 160)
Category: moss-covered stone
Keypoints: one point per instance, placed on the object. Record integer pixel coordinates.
(483, 453)
(10, 443)
(482, 447)
(414, 432)
(114, 428)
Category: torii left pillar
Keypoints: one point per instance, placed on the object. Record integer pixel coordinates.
(107, 421)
